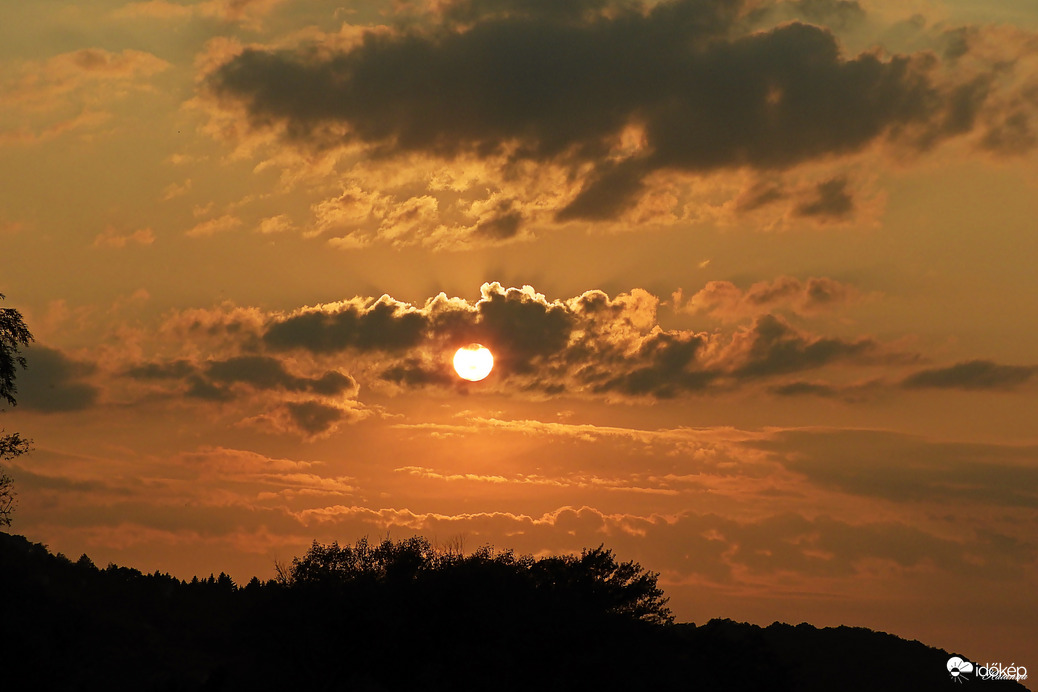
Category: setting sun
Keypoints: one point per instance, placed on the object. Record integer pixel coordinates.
(473, 362)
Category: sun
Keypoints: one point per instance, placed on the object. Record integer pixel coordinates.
(473, 362)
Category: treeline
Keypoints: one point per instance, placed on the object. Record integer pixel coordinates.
(403, 616)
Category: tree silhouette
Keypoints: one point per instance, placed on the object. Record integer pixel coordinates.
(403, 617)
(619, 588)
(594, 582)
(13, 333)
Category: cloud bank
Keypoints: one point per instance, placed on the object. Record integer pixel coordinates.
(611, 94)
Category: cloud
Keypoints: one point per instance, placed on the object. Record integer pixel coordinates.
(262, 372)
(800, 388)
(70, 92)
(54, 382)
(707, 89)
(112, 238)
(417, 373)
(239, 460)
(519, 323)
(832, 201)
(771, 346)
(160, 371)
(311, 406)
(715, 549)
(500, 219)
(312, 419)
(903, 468)
(226, 222)
(664, 365)
(52, 82)
(275, 224)
(725, 301)
(591, 344)
(248, 12)
(839, 14)
(971, 375)
(174, 190)
(381, 324)
(254, 372)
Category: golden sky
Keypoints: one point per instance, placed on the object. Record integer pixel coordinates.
(758, 277)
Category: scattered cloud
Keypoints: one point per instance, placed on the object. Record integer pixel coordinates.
(112, 238)
(971, 375)
(292, 403)
(174, 190)
(226, 222)
(54, 382)
(312, 419)
(275, 224)
(832, 201)
(71, 91)
(247, 12)
(724, 301)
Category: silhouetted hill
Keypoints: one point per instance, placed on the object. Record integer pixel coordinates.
(400, 616)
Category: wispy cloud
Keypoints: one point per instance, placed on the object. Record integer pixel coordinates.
(111, 237)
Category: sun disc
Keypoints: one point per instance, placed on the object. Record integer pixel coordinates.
(473, 362)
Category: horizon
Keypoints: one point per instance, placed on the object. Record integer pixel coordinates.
(757, 278)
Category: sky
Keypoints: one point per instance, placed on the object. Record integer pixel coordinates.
(758, 276)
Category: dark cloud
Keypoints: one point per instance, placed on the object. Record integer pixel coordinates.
(413, 373)
(175, 370)
(801, 388)
(468, 11)
(504, 223)
(199, 388)
(263, 372)
(613, 187)
(904, 468)
(269, 395)
(822, 291)
(727, 302)
(850, 393)
(760, 195)
(1013, 132)
(214, 380)
(313, 417)
(522, 327)
(831, 201)
(957, 42)
(963, 105)
(837, 13)
(53, 382)
(773, 347)
(539, 80)
(665, 366)
(973, 374)
(380, 325)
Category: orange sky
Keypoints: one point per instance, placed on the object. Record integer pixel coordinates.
(759, 279)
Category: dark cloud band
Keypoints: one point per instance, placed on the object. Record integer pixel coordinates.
(534, 82)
